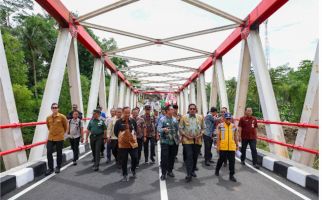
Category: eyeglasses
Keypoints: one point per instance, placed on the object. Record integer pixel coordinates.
(54, 107)
(192, 109)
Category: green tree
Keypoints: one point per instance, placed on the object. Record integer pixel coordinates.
(38, 34)
(15, 59)
(12, 7)
(26, 108)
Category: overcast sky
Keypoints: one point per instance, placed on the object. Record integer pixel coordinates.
(292, 30)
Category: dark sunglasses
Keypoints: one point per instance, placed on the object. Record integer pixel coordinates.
(54, 107)
(192, 109)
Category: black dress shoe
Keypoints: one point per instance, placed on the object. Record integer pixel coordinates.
(217, 173)
(242, 163)
(171, 174)
(232, 178)
(49, 171)
(57, 170)
(256, 166)
(196, 169)
(193, 174)
(207, 163)
(125, 179)
(95, 168)
(133, 173)
(162, 177)
(188, 179)
(211, 161)
(74, 163)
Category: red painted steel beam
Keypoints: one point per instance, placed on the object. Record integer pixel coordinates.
(3, 153)
(65, 18)
(257, 16)
(26, 124)
(292, 146)
(301, 125)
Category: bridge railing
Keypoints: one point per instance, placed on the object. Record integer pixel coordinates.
(300, 125)
(292, 146)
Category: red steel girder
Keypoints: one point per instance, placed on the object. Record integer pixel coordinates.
(66, 20)
(257, 16)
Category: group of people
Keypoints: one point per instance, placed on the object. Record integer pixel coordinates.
(126, 133)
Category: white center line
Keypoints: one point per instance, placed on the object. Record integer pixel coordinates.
(277, 182)
(43, 180)
(163, 185)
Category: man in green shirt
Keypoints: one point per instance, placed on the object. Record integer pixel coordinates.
(97, 131)
(169, 139)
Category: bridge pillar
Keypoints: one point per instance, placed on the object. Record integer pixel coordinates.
(192, 93)
(186, 100)
(102, 91)
(135, 100)
(94, 90)
(127, 96)
(219, 71)
(181, 103)
(117, 92)
(242, 82)
(121, 95)
(52, 91)
(112, 91)
(11, 137)
(266, 93)
(203, 94)
(75, 88)
(199, 100)
(308, 137)
(131, 99)
(213, 87)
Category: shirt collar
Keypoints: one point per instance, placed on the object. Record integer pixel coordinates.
(194, 116)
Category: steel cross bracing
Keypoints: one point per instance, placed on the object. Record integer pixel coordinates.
(150, 63)
(152, 41)
(242, 27)
(141, 37)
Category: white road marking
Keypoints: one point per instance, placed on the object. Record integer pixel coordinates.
(277, 182)
(163, 185)
(43, 180)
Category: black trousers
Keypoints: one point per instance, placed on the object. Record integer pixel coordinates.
(183, 154)
(177, 149)
(96, 144)
(208, 144)
(191, 153)
(50, 150)
(102, 146)
(252, 145)
(150, 140)
(226, 155)
(74, 144)
(112, 146)
(168, 155)
(124, 155)
(140, 145)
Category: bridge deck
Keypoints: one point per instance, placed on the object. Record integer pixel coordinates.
(80, 182)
